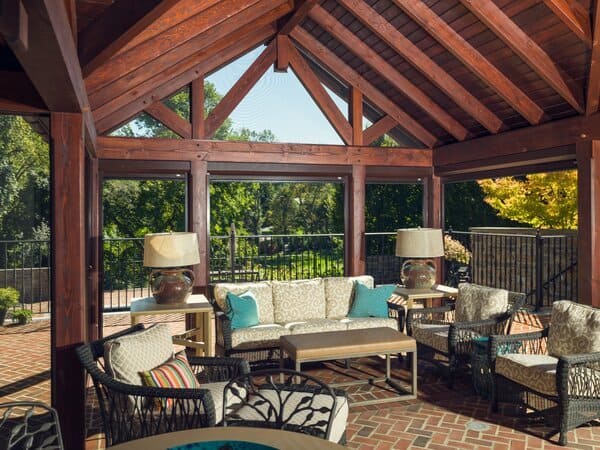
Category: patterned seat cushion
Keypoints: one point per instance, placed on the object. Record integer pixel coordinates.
(574, 329)
(339, 292)
(262, 293)
(258, 336)
(314, 326)
(359, 323)
(537, 372)
(476, 302)
(296, 301)
(434, 336)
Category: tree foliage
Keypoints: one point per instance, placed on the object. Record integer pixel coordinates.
(544, 200)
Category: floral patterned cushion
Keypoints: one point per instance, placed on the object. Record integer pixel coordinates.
(574, 329)
(434, 336)
(339, 292)
(262, 293)
(298, 300)
(258, 336)
(359, 323)
(537, 372)
(476, 302)
(315, 326)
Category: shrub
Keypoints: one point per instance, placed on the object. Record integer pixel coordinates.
(9, 297)
(22, 316)
(455, 251)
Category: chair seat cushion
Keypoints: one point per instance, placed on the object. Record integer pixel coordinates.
(537, 372)
(257, 336)
(359, 323)
(314, 326)
(432, 335)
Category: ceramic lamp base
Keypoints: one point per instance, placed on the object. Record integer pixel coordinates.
(171, 286)
(418, 273)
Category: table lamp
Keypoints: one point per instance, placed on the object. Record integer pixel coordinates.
(419, 244)
(167, 254)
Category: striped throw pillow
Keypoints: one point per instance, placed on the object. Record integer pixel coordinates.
(175, 373)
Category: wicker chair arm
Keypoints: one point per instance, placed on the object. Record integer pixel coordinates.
(526, 343)
(215, 369)
(223, 329)
(583, 358)
(478, 324)
(420, 315)
(578, 376)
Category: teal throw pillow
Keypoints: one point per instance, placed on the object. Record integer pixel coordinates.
(243, 310)
(371, 302)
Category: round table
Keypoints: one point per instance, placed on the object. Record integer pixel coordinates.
(274, 438)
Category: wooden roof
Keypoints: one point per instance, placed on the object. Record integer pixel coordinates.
(435, 72)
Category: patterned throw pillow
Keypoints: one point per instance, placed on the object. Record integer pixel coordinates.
(243, 310)
(371, 302)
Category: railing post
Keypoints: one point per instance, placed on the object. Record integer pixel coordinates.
(539, 292)
(232, 252)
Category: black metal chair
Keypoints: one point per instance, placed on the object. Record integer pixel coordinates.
(133, 411)
(29, 425)
(287, 400)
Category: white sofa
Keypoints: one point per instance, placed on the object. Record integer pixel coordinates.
(290, 307)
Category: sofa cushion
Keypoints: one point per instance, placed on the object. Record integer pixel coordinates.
(315, 326)
(126, 356)
(243, 310)
(339, 292)
(261, 291)
(432, 335)
(574, 329)
(359, 323)
(537, 372)
(476, 302)
(298, 300)
(258, 336)
(371, 302)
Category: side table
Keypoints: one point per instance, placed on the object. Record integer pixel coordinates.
(404, 298)
(201, 338)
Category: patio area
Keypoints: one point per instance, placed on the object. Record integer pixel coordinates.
(441, 418)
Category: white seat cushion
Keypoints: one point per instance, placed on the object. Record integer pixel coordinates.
(537, 372)
(359, 323)
(315, 326)
(434, 336)
(257, 336)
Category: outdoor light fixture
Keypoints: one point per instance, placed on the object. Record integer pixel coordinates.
(420, 244)
(167, 254)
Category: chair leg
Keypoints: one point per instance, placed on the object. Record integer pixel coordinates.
(562, 438)
(452, 363)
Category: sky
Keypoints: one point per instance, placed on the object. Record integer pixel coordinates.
(277, 102)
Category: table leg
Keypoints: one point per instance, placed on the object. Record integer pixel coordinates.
(135, 320)
(388, 366)
(414, 372)
(207, 333)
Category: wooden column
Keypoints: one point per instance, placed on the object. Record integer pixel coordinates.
(197, 108)
(94, 248)
(355, 210)
(198, 217)
(355, 115)
(68, 317)
(433, 213)
(588, 237)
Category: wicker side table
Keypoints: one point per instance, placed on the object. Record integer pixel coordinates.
(481, 371)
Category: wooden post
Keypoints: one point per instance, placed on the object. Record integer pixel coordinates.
(356, 221)
(433, 214)
(197, 108)
(69, 318)
(94, 249)
(198, 217)
(588, 237)
(355, 115)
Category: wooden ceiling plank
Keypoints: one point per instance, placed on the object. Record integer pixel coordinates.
(164, 84)
(318, 93)
(351, 77)
(51, 63)
(115, 27)
(429, 68)
(573, 15)
(387, 71)
(472, 59)
(262, 14)
(299, 15)
(593, 86)
(170, 119)
(124, 63)
(526, 48)
(378, 129)
(239, 90)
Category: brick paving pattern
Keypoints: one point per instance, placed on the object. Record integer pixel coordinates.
(439, 419)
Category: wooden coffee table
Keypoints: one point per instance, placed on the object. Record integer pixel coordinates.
(348, 344)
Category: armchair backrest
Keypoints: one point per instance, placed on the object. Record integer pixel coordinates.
(574, 329)
(29, 425)
(475, 302)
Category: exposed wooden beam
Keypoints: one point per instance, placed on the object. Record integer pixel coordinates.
(14, 23)
(12, 107)
(51, 62)
(197, 107)
(355, 115)
(240, 89)
(258, 152)
(115, 27)
(574, 16)
(318, 93)
(378, 129)
(429, 68)
(593, 86)
(71, 8)
(163, 84)
(170, 119)
(387, 71)
(17, 89)
(283, 58)
(472, 59)
(527, 49)
(351, 77)
(299, 15)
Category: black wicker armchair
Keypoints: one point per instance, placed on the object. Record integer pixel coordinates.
(552, 372)
(131, 411)
(437, 332)
(287, 400)
(26, 425)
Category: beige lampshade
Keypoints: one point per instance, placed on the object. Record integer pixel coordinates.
(419, 243)
(171, 249)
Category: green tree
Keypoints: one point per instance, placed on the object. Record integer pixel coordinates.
(393, 206)
(544, 200)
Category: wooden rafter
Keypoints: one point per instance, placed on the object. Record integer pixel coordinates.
(298, 16)
(318, 93)
(574, 16)
(351, 77)
(378, 129)
(163, 84)
(472, 59)
(527, 49)
(367, 54)
(170, 119)
(115, 27)
(429, 68)
(239, 90)
(593, 86)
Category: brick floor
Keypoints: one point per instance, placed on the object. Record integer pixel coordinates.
(439, 419)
